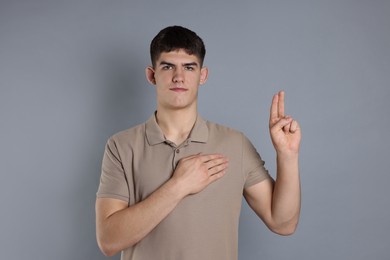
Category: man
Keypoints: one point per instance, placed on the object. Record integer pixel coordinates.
(171, 188)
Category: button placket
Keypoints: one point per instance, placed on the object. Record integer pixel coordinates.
(176, 152)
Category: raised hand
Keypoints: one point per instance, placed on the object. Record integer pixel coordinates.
(284, 130)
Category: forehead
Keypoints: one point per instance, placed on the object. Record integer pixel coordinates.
(177, 57)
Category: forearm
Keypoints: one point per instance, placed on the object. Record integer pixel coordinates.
(120, 226)
(286, 197)
(128, 226)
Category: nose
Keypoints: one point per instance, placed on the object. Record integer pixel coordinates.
(178, 75)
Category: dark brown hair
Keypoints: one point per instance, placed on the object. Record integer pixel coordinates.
(174, 38)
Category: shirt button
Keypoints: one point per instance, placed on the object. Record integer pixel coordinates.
(177, 150)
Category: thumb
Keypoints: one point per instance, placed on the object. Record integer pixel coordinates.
(294, 126)
(282, 123)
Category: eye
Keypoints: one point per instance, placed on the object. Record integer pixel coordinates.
(167, 67)
(189, 68)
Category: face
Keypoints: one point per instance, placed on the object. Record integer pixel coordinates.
(177, 76)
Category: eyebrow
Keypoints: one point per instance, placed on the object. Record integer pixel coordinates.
(191, 64)
(162, 63)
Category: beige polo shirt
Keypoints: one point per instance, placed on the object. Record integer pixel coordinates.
(203, 226)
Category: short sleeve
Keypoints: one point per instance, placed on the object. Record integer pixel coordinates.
(113, 181)
(253, 165)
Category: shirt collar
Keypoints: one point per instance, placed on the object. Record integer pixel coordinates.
(154, 135)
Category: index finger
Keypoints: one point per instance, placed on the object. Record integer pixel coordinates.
(281, 104)
(209, 157)
(274, 107)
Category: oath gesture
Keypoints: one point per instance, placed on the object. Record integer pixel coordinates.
(284, 130)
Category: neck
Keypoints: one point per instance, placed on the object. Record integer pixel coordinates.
(176, 125)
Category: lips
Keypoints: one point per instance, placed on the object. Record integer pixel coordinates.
(179, 89)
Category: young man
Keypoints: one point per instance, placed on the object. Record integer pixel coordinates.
(172, 187)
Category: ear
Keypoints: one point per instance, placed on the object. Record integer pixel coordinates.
(204, 73)
(149, 71)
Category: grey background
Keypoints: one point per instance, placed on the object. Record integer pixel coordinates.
(72, 74)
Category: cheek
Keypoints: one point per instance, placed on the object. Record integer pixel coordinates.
(194, 79)
(162, 79)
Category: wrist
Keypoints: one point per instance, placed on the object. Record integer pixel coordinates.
(287, 165)
(287, 156)
(176, 188)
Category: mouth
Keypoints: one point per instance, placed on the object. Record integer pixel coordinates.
(177, 89)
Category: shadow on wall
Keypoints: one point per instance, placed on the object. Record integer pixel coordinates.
(123, 99)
